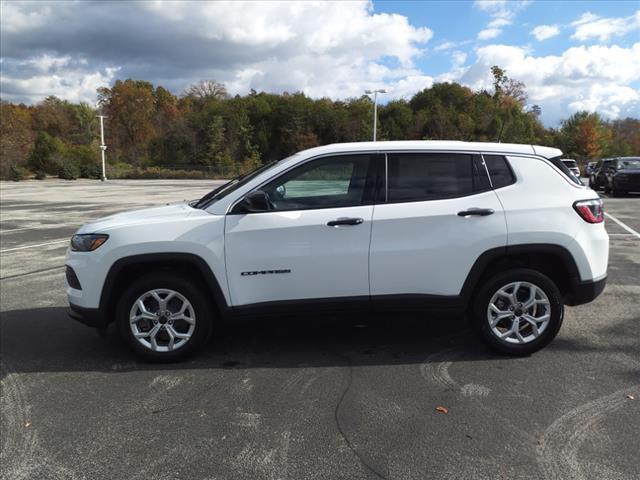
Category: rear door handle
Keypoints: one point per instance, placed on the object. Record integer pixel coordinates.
(483, 212)
(345, 221)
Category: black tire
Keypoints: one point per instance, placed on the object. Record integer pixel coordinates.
(480, 305)
(202, 310)
(615, 192)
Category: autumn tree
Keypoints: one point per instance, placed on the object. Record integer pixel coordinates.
(584, 135)
(130, 106)
(16, 136)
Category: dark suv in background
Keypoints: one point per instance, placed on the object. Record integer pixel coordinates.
(617, 176)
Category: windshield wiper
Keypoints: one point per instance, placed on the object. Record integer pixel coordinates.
(204, 201)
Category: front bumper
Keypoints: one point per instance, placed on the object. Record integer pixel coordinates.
(585, 292)
(91, 317)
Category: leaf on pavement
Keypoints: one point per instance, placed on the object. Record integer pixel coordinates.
(442, 409)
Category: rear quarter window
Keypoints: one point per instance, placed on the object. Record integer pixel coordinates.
(499, 171)
(565, 170)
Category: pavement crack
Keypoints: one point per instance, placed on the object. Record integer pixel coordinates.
(336, 416)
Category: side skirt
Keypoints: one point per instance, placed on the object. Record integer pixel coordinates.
(444, 305)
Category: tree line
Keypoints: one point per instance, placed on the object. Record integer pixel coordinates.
(150, 132)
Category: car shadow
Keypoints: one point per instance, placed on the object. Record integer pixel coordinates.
(46, 340)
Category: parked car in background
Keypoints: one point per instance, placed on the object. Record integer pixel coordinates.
(590, 168)
(622, 176)
(572, 166)
(597, 178)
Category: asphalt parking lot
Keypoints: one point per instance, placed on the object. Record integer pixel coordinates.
(303, 398)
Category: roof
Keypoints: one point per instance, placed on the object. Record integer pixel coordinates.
(504, 148)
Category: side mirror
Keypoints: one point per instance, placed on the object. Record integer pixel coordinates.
(256, 201)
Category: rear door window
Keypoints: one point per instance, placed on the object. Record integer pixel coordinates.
(414, 177)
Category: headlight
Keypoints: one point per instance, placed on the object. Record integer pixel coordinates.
(87, 242)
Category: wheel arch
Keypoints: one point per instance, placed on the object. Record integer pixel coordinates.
(555, 261)
(131, 267)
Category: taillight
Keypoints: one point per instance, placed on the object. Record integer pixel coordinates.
(591, 211)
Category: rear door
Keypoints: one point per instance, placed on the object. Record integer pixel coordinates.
(313, 243)
(438, 215)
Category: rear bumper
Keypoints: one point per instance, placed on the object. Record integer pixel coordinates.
(91, 317)
(585, 292)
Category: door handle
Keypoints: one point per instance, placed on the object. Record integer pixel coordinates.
(482, 212)
(345, 221)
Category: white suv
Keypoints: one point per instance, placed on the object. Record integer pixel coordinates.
(502, 233)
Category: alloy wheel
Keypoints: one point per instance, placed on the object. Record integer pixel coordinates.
(162, 320)
(519, 312)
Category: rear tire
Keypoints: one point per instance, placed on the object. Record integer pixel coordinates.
(616, 192)
(172, 318)
(518, 312)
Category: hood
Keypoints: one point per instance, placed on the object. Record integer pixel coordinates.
(136, 217)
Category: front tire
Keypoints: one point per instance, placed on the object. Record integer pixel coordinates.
(163, 318)
(518, 312)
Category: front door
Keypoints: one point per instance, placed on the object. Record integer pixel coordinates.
(314, 241)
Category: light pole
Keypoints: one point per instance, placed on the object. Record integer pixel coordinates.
(375, 108)
(103, 147)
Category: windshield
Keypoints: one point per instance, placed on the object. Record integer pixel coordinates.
(570, 163)
(232, 185)
(630, 163)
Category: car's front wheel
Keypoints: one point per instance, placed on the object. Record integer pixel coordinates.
(518, 311)
(163, 317)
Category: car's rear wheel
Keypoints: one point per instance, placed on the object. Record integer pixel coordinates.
(518, 311)
(616, 192)
(163, 318)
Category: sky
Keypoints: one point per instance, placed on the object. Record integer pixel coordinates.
(571, 55)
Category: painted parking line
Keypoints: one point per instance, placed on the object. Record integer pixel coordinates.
(34, 246)
(37, 227)
(623, 225)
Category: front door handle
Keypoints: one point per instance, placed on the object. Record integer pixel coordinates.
(345, 221)
(483, 212)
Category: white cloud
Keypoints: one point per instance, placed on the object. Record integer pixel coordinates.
(458, 57)
(590, 26)
(17, 17)
(60, 76)
(502, 13)
(489, 33)
(544, 32)
(334, 49)
(441, 47)
(499, 22)
(596, 77)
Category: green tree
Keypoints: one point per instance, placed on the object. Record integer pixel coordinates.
(42, 155)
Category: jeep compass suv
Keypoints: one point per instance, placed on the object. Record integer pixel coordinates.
(504, 234)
